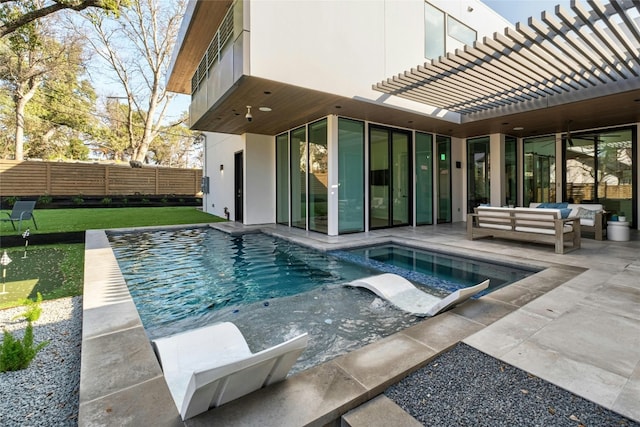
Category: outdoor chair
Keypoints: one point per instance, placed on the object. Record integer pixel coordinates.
(210, 366)
(22, 211)
(404, 295)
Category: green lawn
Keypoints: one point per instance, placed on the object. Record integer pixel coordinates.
(81, 219)
(57, 271)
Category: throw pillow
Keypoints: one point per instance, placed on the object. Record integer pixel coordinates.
(564, 213)
(561, 205)
(586, 213)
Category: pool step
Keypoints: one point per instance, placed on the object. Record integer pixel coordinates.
(380, 411)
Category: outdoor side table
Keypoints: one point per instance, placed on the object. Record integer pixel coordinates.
(618, 231)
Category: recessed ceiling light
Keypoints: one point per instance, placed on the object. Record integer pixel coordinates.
(264, 109)
(338, 106)
(505, 123)
(518, 128)
(267, 92)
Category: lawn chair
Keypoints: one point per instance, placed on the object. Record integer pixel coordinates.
(22, 211)
(210, 366)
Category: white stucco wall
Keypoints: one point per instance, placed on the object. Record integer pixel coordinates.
(343, 47)
(219, 150)
(260, 172)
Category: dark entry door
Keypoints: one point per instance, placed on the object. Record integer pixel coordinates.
(238, 184)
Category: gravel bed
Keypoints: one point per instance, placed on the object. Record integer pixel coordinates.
(466, 387)
(46, 393)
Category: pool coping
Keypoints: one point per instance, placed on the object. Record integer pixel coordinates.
(121, 380)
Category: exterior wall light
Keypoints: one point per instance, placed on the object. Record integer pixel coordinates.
(221, 168)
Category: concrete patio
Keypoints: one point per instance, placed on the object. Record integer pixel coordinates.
(575, 324)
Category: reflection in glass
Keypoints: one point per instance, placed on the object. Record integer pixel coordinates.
(511, 170)
(434, 32)
(599, 169)
(478, 173)
(379, 178)
(350, 176)
(444, 178)
(401, 190)
(424, 179)
(282, 179)
(299, 177)
(318, 176)
(389, 178)
(539, 170)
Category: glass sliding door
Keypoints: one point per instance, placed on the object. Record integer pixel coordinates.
(350, 176)
(389, 178)
(282, 179)
(511, 170)
(539, 170)
(299, 177)
(478, 173)
(615, 173)
(443, 144)
(401, 173)
(599, 169)
(318, 176)
(379, 179)
(424, 178)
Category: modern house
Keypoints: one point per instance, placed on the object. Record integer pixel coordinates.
(347, 116)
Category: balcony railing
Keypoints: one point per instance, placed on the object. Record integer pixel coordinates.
(213, 53)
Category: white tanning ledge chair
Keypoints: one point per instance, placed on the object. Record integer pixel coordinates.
(213, 365)
(404, 295)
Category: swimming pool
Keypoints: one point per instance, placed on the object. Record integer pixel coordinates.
(443, 272)
(270, 288)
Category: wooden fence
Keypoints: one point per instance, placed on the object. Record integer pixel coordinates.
(31, 178)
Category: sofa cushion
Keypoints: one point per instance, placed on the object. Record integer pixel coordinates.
(587, 222)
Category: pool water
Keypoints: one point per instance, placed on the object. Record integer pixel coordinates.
(270, 288)
(200, 270)
(442, 272)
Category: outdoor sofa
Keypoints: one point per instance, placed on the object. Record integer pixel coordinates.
(526, 224)
(593, 218)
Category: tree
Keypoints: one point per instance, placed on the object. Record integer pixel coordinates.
(176, 146)
(11, 21)
(31, 59)
(137, 47)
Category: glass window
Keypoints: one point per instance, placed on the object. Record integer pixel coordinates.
(282, 179)
(424, 179)
(350, 176)
(511, 170)
(460, 32)
(478, 173)
(434, 32)
(444, 178)
(318, 176)
(299, 177)
(539, 170)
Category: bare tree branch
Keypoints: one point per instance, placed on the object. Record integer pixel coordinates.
(58, 5)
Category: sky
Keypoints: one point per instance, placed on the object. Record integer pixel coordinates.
(520, 10)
